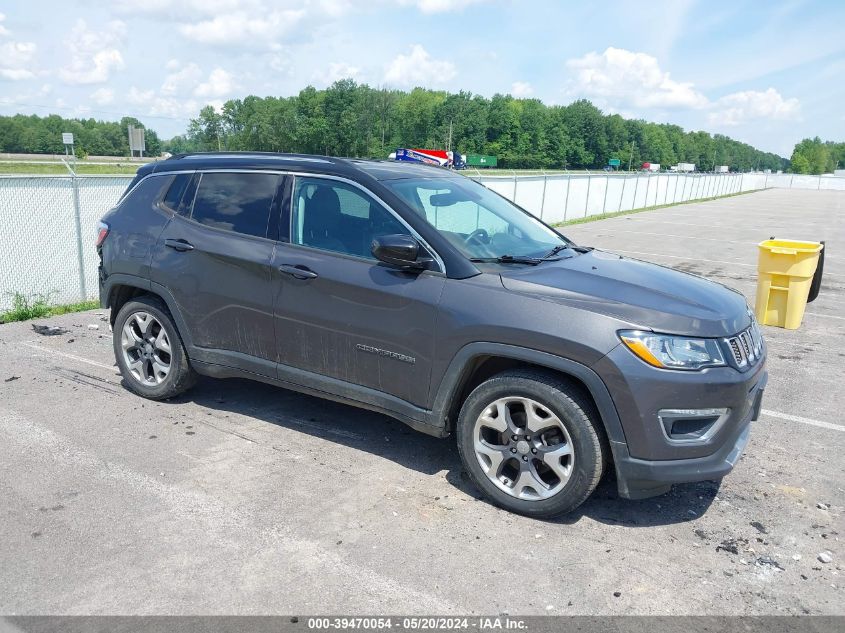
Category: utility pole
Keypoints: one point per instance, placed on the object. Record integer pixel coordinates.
(714, 161)
(631, 157)
(449, 142)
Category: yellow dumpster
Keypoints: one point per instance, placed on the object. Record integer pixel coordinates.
(785, 274)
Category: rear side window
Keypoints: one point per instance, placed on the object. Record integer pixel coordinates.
(174, 198)
(236, 202)
(147, 193)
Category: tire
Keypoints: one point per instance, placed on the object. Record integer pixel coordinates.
(152, 351)
(512, 467)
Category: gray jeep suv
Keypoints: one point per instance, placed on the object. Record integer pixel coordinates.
(417, 292)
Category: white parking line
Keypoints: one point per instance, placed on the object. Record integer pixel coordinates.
(798, 418)
(826, 316)
(66, 355)
(692, 237)
(699, 259)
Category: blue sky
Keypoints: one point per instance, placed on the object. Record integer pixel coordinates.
(769, 74)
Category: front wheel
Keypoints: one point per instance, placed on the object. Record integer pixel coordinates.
(530, 442)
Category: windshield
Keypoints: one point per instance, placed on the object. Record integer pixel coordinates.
(478, 222)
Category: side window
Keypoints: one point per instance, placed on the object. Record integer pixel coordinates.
(338, 217)
(173, 200)
(236, 201)
(147, 193)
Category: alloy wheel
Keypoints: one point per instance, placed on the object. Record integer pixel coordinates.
(146, 349)
(523, 448)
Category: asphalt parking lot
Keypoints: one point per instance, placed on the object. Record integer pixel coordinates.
(241, 498)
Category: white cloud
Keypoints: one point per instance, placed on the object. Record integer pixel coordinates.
(419, 69)
(102, 96)
(280, 62)
(181, 79)
(439, 6)
(93, 54)
(15, 57)
(619, 76)
(220, 83)
(750, 105)
(521, 89)
(156, 105)
(336, 71)
(241, 27)
(619, 79)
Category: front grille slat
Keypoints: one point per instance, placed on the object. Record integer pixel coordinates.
(746, 347)
(736, 351)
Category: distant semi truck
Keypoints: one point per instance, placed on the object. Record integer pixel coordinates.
(685, 167)
(437, 157)
(722, 169)
(651, 166)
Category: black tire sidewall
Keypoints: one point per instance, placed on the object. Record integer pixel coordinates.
(178, 358)
(588, 464)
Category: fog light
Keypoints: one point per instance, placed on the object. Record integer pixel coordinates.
(686, 426)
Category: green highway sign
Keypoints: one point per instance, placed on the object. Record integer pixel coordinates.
(614, 162)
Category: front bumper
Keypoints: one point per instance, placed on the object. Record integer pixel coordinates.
(640, 478)
(647, 462)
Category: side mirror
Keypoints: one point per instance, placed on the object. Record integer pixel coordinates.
(402, 251)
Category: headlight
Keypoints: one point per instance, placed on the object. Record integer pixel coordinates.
(673, 352)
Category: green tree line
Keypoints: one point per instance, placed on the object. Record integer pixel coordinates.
(350, 119)
(22, 134)
(814, 156)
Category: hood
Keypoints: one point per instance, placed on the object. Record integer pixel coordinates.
(642, 294)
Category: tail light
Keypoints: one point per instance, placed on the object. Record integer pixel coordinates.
(102, 233)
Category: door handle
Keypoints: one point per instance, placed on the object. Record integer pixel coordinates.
(298, 271)
(179, 245)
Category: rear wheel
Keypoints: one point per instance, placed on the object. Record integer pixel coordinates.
(530, 442)
(149, 350)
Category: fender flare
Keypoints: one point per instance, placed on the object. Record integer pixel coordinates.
(121, 279)
(458, 373)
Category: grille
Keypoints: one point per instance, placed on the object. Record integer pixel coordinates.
(735, 348)
(746, 347)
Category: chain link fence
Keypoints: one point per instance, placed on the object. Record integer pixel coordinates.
(49, 222)
(48, 233)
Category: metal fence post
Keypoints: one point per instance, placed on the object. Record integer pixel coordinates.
(766, 182)
(566, 200)
(83, 293)
(622, 195)
(636, 186)
(587, 201)
(514, 187)
(666, 190)
(606, 187)
(820, 182)
(675, 190)
(543, 199)
(647, 185)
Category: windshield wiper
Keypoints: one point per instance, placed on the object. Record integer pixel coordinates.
(556, 250)
(562, 247)
(507, 259)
